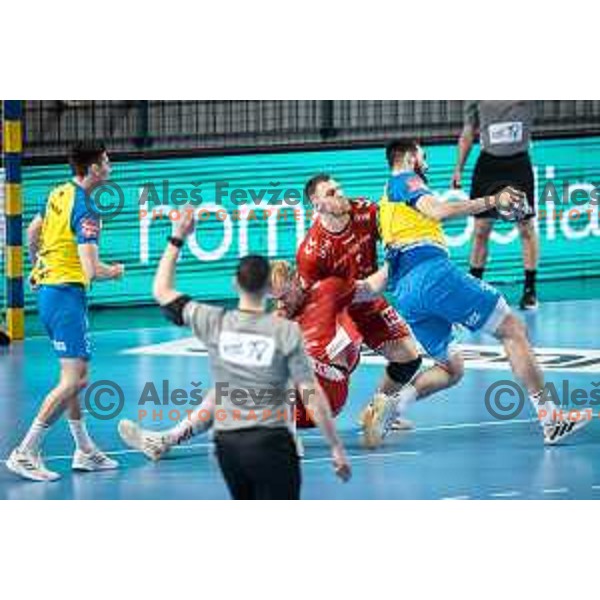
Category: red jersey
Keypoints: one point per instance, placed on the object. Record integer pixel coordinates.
(330, 335)
(332, 341)
(350, 254)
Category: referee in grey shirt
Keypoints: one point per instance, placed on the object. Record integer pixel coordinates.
(253, 355)
(504, 129)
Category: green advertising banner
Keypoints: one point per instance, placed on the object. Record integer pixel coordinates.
(254, 203)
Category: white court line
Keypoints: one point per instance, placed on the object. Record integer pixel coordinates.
(317, 436)
(211, 445)
(453, 426)
(508, 494)
(456, 498)
(355, 457)
(556, 491)
(474, 425)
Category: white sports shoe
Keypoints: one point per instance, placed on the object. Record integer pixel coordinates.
(93, 461)
(398, 424)
(559, 430)
(150, 443)
(29, 466)
(378, 420)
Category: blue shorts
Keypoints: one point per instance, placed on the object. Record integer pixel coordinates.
(63, 311)
(435, 295)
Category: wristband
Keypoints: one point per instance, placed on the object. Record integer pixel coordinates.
(175, 241)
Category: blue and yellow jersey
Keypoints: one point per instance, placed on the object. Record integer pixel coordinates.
(409, 236)
(67, 222)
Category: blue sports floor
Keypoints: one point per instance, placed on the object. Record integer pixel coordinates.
(458, 450)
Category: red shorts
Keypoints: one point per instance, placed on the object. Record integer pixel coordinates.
(378, 323)
(336, 394)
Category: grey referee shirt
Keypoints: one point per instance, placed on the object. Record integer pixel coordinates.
(253, 357)
(504, 125)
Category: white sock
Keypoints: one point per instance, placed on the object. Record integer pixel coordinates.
(188, 428)
(33, 438)
(545, 408)
(405, 397)
(81, 436)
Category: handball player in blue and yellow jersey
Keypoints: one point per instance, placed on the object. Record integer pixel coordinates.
(434, 295)
(63, 244)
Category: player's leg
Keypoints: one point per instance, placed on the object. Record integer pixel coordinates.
(513, 335)
(480, 247)
(522, 178)
(62, 311)
(531, 252)
(74, 332)
(384, 331)
(435, 336)
(26, 459)
(487, 180)
(155, 444)
(480, 307)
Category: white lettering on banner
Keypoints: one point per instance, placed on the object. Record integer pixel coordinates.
(213, 213)
(246, 349)
(220, 251)
(558, 220)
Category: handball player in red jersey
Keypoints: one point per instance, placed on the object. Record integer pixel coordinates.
(342, 243)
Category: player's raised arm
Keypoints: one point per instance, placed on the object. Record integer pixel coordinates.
(164, 281)
(177, 307)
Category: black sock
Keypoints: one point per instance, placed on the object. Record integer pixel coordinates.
(530, 276)
(477, 272)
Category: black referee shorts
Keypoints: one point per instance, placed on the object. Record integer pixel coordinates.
(259, 463)
(492, 173)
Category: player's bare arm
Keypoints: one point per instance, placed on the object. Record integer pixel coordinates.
(34, 234)
(465, 143)
(313, 399)
(373, 286)
(94, 268)
(443, 211)
(164, 281)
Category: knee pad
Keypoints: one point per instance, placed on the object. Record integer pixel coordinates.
(402, 373)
